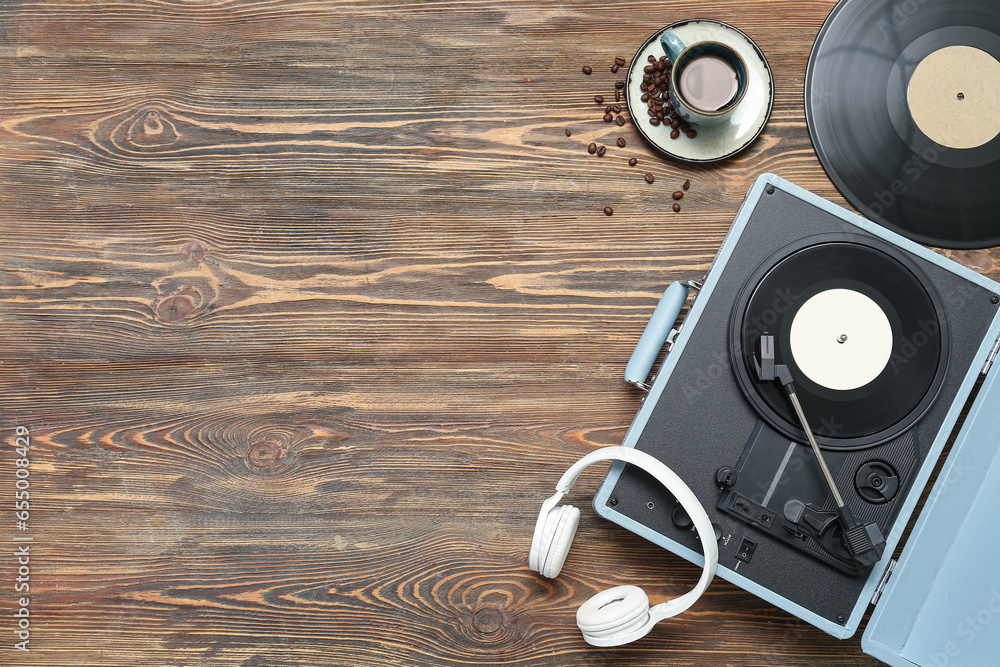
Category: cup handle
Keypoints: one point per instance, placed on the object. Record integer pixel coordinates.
(672, 45)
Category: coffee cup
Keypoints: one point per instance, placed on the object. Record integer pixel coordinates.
(707, 82)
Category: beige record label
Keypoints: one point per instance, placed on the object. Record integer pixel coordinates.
(841, 339)
(954, 97)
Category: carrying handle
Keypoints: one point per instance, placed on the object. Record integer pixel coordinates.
(655, 335)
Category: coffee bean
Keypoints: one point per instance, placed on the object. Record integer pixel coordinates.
(568, 133)
(620, 121)
(675, 123)
(618, 96)
(654, 121)
(617, 108)
(651, 58)
(587, 70)
(644, 97)
(692, 133)
(608, 109)
(674, 134)
(601, 150)
(619, 60)
(608, 210)
(649, 178)
(592, 148)
(687, 184)
(599, 99)
(649, 69)
(608, 118)
(677, 208)
(678, 195)
(619, 84)
(664, 58)
(614, 68)
(621, 142)
(632, 162)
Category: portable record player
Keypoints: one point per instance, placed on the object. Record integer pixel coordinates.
(806, 400)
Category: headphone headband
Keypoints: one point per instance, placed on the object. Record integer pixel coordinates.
(595, 632)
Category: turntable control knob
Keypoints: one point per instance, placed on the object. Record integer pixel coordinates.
(681, 518)
(725, 476)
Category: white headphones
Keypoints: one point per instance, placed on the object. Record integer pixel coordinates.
(621, 614)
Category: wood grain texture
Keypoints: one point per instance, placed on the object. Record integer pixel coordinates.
(307, 305)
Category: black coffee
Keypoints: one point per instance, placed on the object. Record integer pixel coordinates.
(709, 82)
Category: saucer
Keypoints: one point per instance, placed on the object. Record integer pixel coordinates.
(717, 142)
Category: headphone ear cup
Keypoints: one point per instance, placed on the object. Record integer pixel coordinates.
(553, 541)
(616, 611)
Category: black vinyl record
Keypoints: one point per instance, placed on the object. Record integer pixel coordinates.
(887, 139)
(898, 390)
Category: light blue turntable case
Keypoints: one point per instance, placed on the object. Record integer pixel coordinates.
(941, 604)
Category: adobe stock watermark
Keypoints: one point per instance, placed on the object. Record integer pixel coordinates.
(898, 16)
(987, 619)
(22, 542)
(782, 300)
(929, 331)
(909, 347)
(955, 477)
(706, 377)
(910, 173)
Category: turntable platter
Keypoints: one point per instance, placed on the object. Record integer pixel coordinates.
(859, 330)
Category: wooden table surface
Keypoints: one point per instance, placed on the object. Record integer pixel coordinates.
(306, 305)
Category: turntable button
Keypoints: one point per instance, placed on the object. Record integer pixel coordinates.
(681, 518)
(718, 531)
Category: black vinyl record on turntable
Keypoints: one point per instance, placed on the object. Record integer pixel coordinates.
(862, 339)
(860, 332)
(903, 107)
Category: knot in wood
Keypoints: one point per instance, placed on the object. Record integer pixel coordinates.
(263, 454)
(488, 620)
(195, 251)
(151, 124)
(146, 129)
(175, 308)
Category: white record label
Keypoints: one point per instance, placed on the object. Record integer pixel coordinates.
(841, 339)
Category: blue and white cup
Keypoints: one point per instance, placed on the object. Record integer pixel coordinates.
(708, 80)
